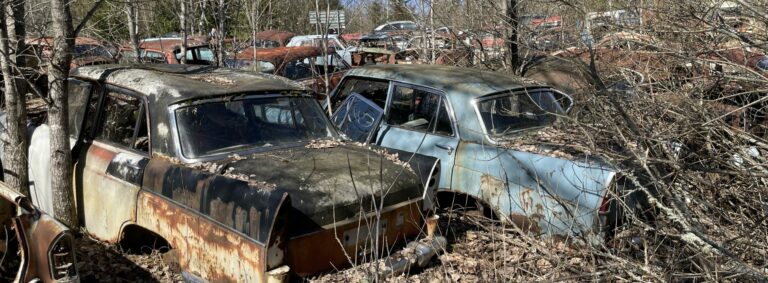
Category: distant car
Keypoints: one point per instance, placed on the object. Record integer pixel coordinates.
(240, 173)
(303, 64)
(36, 247)
(168, 51)
(469, 120)
(753, 60)
(86, 52)
(273, 38)
(332, 41)
(397, 26)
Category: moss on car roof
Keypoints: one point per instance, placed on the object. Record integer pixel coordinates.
(165, 84)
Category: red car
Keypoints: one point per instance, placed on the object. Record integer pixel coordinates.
(167, 50)
(304, 64)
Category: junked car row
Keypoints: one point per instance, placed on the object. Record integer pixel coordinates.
(247, 177)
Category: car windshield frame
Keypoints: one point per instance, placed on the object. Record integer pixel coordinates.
(185, 156)
(495, 138)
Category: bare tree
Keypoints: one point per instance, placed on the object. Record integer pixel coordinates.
(513, 25)
(221, 32)
(61, 160)
(131, 13)
(183, 28)
(12, 46)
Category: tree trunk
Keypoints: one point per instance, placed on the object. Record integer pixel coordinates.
(512, 21)
(61, 160)
(12, 31)
(183, 22)
(222, 32)
(130, 10)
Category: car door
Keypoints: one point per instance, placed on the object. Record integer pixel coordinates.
(419, 120)
(110, 165)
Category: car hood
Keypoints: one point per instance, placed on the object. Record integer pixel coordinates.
(333, 184)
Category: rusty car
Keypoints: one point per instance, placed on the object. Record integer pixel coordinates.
(239, 173)
(303, 64)
(469, 120)
(86, 52)
(35, 247)
(334, 41)
(272, 38)
(168, 51)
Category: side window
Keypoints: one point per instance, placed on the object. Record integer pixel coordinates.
(123, 122)
(152, 56)
(79, 94)
(375, 91)
(413, 108)
(443, 125)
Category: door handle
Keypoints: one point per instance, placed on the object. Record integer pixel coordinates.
(445, 147)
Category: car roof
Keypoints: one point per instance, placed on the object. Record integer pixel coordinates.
(313, 36)
(168, 44)
(454, 81)
(165, 84)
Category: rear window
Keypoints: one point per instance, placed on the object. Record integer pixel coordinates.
(507, 113)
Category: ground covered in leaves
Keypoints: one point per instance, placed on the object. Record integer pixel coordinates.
(100, 262)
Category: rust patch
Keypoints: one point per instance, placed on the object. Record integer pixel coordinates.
(491, 188)
(205, 247)
(525, 223)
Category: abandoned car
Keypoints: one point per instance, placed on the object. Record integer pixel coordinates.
(331, 41)
(240, 172)
(469, 120)
(303, 64)
(168, 51)
(35, 247)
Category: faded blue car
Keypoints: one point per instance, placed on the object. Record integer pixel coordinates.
(467, 119)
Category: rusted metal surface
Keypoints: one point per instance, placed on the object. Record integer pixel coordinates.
(207, 249)
(278, 56)
(336, 246)
(281, 37)
(45, 245)
(351, 37)
(281, 57)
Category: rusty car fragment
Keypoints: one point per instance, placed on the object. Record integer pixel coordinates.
(239, 173)
(168, 51)
(303, 64)
(272, 38)
(469, 120)
(34, 246)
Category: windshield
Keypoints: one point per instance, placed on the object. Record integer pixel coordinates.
(91, 50)
(313, 66)
(507, 113)
(219, 127)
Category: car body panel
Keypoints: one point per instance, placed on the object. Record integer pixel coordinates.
(37, 234)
